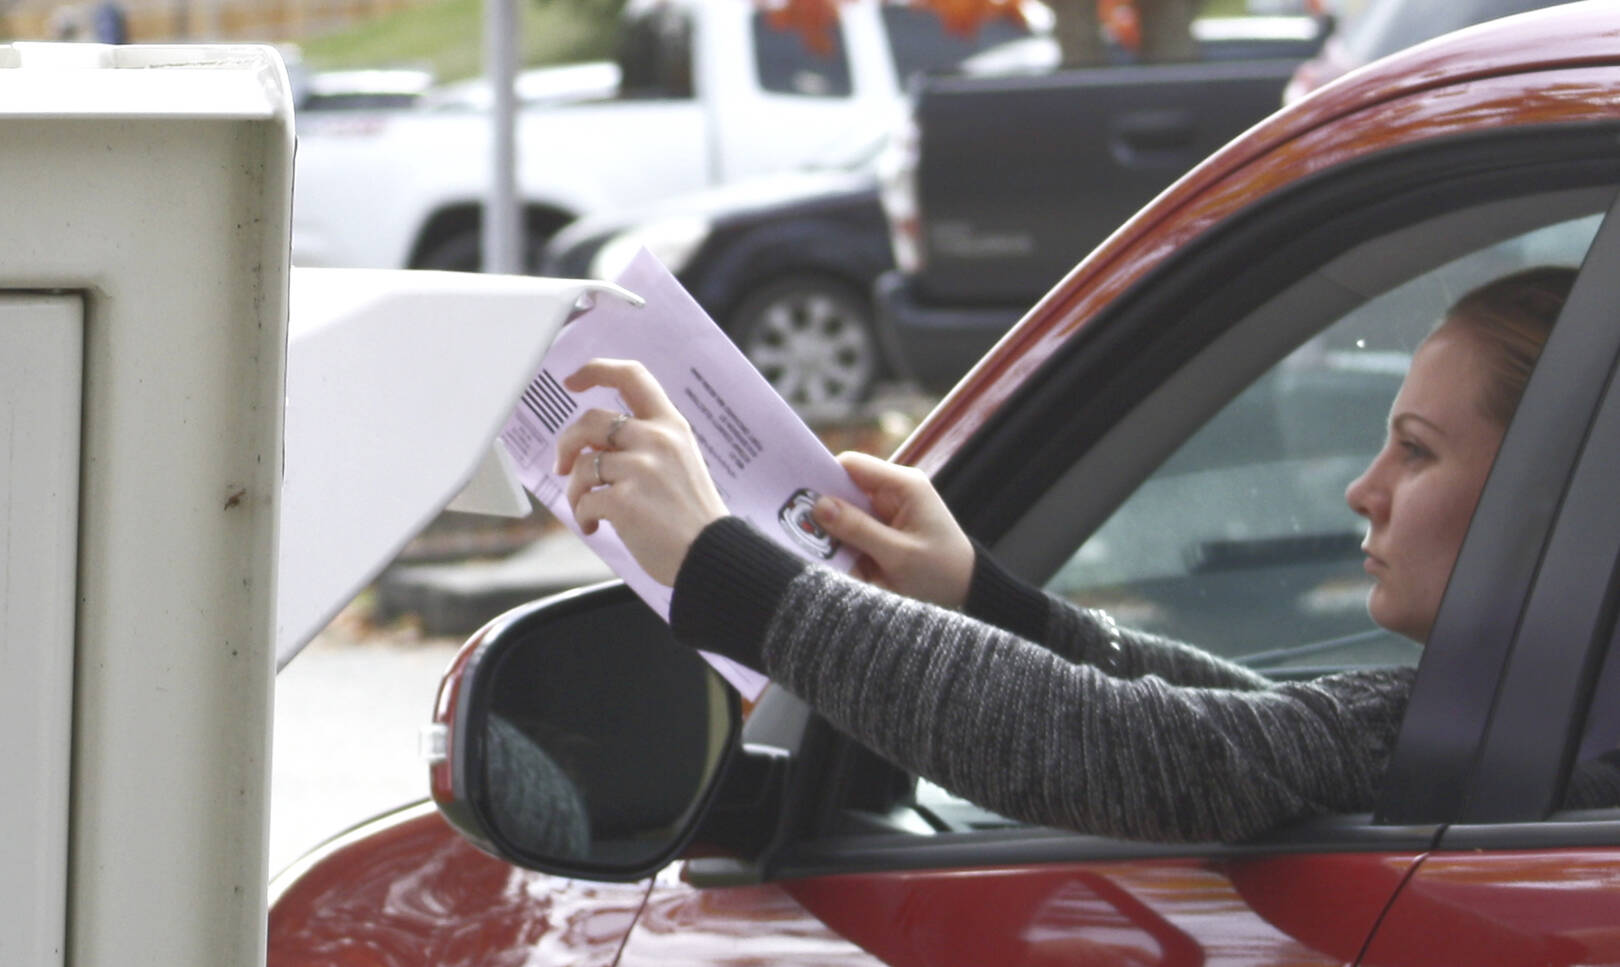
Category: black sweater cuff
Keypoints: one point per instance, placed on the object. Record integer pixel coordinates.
(728, 589)
(997, 597)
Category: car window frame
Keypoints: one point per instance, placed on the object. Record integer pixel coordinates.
(1040, 432)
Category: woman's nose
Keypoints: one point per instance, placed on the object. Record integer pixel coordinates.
(1363, 495)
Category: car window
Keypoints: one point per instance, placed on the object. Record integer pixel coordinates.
(655, 54)
(921, 43)
(1242, 541)
(790, 63)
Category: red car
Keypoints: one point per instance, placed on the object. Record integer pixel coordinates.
(1168, 434)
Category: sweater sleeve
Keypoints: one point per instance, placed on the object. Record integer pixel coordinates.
(1030, 734)
(729, 588)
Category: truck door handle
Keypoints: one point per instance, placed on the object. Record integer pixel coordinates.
(1153, 139)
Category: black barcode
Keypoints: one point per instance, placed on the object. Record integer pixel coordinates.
(549, 402)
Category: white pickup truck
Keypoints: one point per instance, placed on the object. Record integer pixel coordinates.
(708, 91)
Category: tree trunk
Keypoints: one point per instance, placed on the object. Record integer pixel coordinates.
(1077, 32)
(1167, 30)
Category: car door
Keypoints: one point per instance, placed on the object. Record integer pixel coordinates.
(1180, 461)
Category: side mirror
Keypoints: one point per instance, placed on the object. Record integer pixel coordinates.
(577, 737)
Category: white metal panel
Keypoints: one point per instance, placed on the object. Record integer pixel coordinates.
(40, 339)
(170, 213)
(397, 382)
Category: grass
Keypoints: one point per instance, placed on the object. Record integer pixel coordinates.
(447, 36)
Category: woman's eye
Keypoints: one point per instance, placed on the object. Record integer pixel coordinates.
(1412, 450)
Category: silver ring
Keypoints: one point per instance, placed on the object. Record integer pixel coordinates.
(599, 481)
(619, 419)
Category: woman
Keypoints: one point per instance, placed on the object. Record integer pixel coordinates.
(1028, 704)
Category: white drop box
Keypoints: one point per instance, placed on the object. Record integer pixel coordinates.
(145, 194)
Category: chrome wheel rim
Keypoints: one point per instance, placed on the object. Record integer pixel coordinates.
(814, 348)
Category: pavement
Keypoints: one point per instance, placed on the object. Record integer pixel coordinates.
(349, 710)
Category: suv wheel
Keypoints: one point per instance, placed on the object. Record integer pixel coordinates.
(812, 339)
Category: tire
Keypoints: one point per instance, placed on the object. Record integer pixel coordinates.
(461, 252)
(811, 337)
(464, 252)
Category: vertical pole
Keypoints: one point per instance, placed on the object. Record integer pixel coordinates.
(502, 231)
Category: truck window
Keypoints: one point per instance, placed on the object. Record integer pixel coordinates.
(920, 42)
(655, 54)
(787, 63)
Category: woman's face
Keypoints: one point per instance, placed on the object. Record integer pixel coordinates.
(1419, 492)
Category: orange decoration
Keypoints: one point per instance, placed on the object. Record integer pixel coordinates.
(1123, 22)
(813, 20)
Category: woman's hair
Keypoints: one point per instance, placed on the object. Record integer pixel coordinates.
(1512, 318)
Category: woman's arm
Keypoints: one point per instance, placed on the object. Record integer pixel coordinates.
(912, 545)
(1091, 637)
(1025, 732)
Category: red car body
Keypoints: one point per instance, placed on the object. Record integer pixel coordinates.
(406, 890)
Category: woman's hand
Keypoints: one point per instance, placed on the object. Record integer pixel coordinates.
(910, 542)
(640, 471)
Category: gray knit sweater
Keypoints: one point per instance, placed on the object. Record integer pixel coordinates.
(1038, 709)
